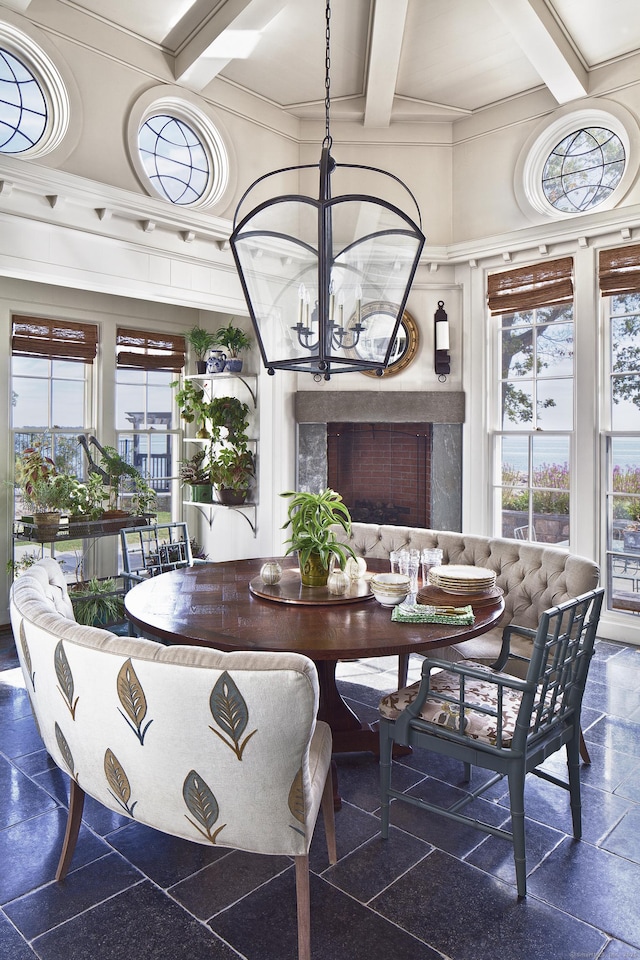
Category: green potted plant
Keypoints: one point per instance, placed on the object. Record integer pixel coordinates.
(118, 470)
(311, 517)
(234, 340)
(45, 492)
(230, 415)
(194, 406)
(195, 473)
(200, 341)
(86, 499)
(232, 471)
(97, 602)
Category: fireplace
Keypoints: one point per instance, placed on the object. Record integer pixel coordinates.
(395, 457)
(382, 470)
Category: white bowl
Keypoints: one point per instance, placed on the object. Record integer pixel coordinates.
(390, 588)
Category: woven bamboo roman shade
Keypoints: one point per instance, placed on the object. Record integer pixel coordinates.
(54, 339)
(526, 288)
(150, 351)
(619, 270)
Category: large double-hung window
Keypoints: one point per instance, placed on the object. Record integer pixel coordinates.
(619, 273)
(533, 307)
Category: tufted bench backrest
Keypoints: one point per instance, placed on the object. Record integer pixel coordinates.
(534, 576)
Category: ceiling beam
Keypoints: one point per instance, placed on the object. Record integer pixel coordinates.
(538, 34)
(207, 49)
(384, 60)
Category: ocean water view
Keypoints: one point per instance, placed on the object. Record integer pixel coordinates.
(555, 450)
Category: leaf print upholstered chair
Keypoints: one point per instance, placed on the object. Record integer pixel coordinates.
(218, 748)
(499, 722)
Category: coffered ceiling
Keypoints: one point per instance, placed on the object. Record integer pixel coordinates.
(391, 60)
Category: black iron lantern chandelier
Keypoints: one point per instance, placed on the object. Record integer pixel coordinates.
(310, 267)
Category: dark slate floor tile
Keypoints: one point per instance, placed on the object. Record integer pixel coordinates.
(141, 923)
(353, 828)
(624, 839)
(466, 914)
(359, 779)
(35, 763)
(607, 770)
(615, 733)
(20, 798)
(630, 788)
(263, 926)
(14, 701)
(443, 833)
(18, 737)
(593, 885)
(617, 950)
(99, 818)
(29, 853)
(12, 946)
(616, 701)
(227, 880)
(165, 859)
(81, 889)
(376, 864)
(494, 855)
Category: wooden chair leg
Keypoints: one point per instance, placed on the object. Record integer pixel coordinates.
(328, 816)
(304, 908)
(74, 819)
(584, 753)
(403, 669)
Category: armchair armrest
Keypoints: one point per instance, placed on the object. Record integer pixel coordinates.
(493, 707)
(505, 650)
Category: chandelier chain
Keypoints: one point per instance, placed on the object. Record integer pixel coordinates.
(327, 76)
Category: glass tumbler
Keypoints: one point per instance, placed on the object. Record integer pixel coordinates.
(394, 560)
(431, 557)
(409, 566)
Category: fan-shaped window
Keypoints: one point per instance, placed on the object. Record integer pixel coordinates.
(23, 108)
(174, 158)
(583, 169)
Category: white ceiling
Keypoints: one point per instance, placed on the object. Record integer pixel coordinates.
(390, 59)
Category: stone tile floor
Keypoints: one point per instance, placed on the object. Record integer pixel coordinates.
(434, 890)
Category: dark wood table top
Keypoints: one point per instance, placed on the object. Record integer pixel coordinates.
(212, 605)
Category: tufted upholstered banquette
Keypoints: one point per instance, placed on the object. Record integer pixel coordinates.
(218, 748)
(534, 577)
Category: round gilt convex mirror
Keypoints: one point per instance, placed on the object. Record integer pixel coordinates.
(379, 318)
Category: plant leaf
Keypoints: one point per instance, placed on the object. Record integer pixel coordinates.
(229, 710)
(27, 655)
(65, 750)
(118, 781)
(201, 802)
(65, 678)
(296, 797)
(132, 698)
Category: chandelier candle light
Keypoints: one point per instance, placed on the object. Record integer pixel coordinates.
(310, 266)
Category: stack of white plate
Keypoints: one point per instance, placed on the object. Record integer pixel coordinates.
(462, 579)
(390, 588)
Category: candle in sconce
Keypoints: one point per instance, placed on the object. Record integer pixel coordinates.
(442, 335)
(341, 308)
(332, 300)
(301, 292)
(358, 302)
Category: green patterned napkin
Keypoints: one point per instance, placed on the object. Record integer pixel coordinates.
(421, 613)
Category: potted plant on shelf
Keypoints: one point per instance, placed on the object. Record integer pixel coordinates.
(45, 492)
(229, 421)
(200, 341)
(311, 517)
(86, 499)
(234, 340)
(195, 473)
(232, 471)
(119, 472)
(194, 406)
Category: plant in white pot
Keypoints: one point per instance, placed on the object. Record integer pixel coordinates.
(234, 340)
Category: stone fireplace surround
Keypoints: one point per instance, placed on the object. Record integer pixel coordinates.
(445, 410)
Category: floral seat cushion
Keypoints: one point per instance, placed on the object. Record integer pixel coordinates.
(477, 726)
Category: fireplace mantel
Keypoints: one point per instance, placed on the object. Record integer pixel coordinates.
(390, 406)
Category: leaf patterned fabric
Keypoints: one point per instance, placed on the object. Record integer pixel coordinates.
(218, 748)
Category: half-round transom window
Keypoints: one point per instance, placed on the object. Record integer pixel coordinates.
(23, 108)
(174, 158)
(583, 170)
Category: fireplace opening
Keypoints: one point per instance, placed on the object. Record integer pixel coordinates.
(382, 471)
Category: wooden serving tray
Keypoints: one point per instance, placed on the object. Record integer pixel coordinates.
(431, 595)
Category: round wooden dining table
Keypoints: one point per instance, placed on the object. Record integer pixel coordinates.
(228, 606)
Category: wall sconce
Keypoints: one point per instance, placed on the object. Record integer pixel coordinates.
(441, 328)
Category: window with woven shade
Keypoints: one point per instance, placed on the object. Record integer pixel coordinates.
(150, 351)
(525, 288)
(535, 407)
(54, 339)
(619, 270)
